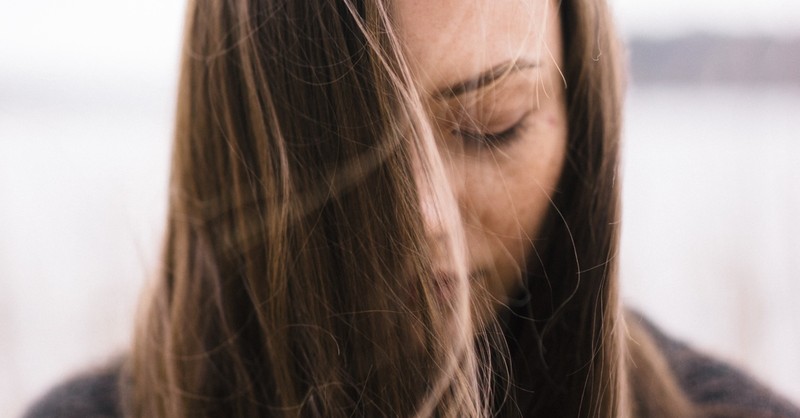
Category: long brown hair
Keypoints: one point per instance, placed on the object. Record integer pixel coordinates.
(295, 271)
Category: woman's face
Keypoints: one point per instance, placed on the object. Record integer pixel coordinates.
(502, 142)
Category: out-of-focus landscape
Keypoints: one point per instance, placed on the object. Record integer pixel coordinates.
(711, 181)
(711, 59)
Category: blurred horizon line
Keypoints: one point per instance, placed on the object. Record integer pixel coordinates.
(699, 57)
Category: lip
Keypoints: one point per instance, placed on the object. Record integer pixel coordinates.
(477, 274)
(445, 283)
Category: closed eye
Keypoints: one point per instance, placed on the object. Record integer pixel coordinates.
(494, 139)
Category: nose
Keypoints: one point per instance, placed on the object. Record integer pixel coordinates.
(431, 218)
(434, 210)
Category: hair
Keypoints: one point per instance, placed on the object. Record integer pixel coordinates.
(295, 276)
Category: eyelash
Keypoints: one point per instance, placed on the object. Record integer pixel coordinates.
(493, 139)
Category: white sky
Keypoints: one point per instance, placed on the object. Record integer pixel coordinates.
(671, 17)
(136, 39)
(128, 39)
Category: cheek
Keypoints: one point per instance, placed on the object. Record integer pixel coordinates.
(512, 212)
(509, 196)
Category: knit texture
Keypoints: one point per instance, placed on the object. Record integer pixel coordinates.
(92, 394)
(716, 388)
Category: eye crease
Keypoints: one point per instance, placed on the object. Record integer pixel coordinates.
(494, 116)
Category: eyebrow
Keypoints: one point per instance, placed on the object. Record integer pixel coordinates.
(484, 79)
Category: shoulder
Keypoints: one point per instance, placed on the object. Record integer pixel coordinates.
(93, 394)
(717, 388)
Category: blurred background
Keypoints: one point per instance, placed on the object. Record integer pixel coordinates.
(711, 236)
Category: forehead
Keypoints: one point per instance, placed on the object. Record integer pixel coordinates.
(448, 41)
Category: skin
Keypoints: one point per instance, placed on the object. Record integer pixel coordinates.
(502, 187)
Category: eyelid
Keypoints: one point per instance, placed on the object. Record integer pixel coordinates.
(495, 137)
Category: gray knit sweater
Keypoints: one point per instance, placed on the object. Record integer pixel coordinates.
(710, 383)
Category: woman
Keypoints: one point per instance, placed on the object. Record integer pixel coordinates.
(400, 208)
